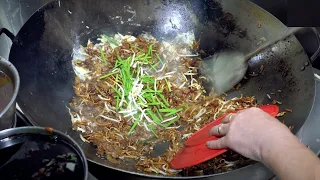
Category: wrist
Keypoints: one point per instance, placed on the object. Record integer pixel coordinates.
(276, 146)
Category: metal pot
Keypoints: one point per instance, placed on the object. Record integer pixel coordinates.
(7, 115)
(29, 139)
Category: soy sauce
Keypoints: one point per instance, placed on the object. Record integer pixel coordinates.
(6, 90)
(38, 157)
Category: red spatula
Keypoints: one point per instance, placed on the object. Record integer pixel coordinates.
(196, 151)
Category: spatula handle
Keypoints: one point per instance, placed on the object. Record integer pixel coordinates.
(272, 42)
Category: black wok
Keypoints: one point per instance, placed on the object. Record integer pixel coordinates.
(42, 53)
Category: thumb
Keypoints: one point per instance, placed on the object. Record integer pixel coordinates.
(217, 144)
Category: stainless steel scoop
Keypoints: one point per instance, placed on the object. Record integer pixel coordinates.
(226, 69)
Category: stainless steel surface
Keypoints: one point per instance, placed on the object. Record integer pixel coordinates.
(234, 64)
(41, 131)
(309, 134)
(15, 121)
(13, 14)
(8, 114)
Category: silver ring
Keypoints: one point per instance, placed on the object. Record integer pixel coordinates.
(219, 129)
(230, 117)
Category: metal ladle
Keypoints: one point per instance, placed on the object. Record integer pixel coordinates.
(226, 69)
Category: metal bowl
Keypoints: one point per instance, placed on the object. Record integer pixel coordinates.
(30, 146)
(7, 115)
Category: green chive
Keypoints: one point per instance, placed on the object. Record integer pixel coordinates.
(171, 122)
(134, 126)
(152, 130)
(155, 65)
(154, 103)
(153, 116)
(103, 56)
(140, 100)
(138, 57)
(138, 48)
(117, 75)
(168, 84)
(162, 104)
(119, 58)
(152, 91)
(74, 158)
(104, 76)
(115, 89)
(159, 115)
(159, 57)
(167, 110)
(173, 112)
(111, 40)
(153, 68)
(164, 99)
(150, 50)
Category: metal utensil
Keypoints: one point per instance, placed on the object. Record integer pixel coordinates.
(7, 115)
(226, 69)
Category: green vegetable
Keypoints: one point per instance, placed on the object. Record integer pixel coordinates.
(133, 126)
(155, 65)
(150, 98)
(152, 128)
(117, 103)
(150, 50)
(171, 122)
(115, 89)
(111, 40)
(168, 84)
(74, 158)
(159, 58)
(153, 116)
(154, 103)
(158, 112)
(139, 57)
(152, 91)
(164, 99)
(138, 48)
(167, 110)
(103, 56)
(107, 75)
(173, 112)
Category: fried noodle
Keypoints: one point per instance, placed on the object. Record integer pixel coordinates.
(136, 92)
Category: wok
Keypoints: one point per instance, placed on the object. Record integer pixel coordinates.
(42, 53)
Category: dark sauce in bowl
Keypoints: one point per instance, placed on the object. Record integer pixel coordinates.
(6, 90)
(38, 157)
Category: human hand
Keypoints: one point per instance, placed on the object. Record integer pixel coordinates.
(249, 132)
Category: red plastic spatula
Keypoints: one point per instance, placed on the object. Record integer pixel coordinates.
(196, 151)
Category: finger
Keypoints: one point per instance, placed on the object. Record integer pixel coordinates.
(219, 130)
(228, 118)
(217, 144)
(243, 110)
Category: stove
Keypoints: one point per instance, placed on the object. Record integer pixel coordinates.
(17, 12)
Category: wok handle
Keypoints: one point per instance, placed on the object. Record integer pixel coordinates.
(23, 118)
(7, 32)
(316, 54)
(272, 42)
